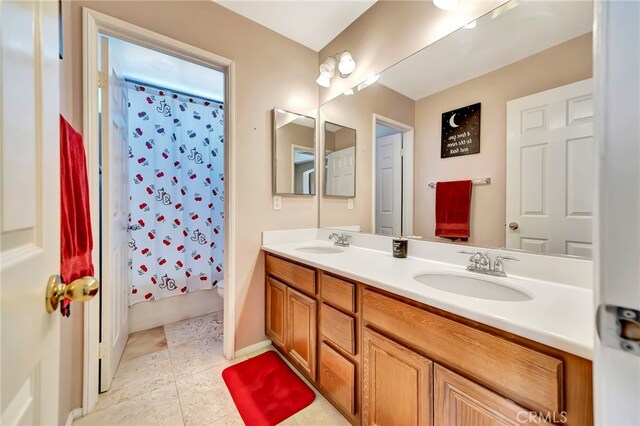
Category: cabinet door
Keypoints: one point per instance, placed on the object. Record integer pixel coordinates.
(397, 383)
(459, 401)
(275, 311)
(301, 331)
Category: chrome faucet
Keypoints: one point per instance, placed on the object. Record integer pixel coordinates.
(481, 263)
(341, 240)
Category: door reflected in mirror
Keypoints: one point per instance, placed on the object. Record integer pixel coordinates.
(339, 160)
(294, 155)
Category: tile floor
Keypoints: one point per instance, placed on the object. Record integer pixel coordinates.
(171, 375)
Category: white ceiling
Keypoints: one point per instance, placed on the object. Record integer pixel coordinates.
(312, 23)
(522, 31)
(148, 66)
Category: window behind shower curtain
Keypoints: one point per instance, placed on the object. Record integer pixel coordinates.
(176, 166)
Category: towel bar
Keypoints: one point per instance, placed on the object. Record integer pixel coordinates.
(485, 181)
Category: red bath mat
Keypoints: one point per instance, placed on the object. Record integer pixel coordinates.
(266, 391)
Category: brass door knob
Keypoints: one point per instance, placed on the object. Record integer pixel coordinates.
(79, 290)
(513, 226)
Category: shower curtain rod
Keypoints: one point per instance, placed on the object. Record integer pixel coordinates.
(155, 86)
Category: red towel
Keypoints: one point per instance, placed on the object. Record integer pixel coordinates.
(453, 209)
(76, 238)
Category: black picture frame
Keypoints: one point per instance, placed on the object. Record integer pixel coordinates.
(460, 131)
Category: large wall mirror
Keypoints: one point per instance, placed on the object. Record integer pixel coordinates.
(505, 102)
(294, 153)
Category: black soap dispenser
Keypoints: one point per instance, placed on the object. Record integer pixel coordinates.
(400, 247)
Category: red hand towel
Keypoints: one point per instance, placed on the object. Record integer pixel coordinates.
(453, 209)
(76, 237)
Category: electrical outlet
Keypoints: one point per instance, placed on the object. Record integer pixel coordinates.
(350, 204)
(277, 202)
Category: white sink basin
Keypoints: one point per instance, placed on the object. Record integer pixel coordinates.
(320, 249)
(472, 287)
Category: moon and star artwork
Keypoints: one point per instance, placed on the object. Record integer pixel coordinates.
(461, 131)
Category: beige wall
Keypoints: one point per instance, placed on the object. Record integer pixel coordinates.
(288, 135)
(265, 76)
(390, 31)
(560, 65)
(356, 112)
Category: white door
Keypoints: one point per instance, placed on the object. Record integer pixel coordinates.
(29, 212)
(617, 259)
(115, 217)
(550, 163)
(341, 169)
(388, 200)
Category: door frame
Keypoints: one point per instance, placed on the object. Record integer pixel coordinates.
(95, 23)
(616, 225)
(407, 171)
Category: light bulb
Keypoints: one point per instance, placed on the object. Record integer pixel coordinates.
(348, 92)
(327, 68)
(470, 25)
(346, 65)
(323, 81)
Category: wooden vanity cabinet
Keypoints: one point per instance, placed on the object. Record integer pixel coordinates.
(276, 299)
(382, 359)
(291, 318)
(398, 383)
(339, 375)
(301, 327)
(459, 401)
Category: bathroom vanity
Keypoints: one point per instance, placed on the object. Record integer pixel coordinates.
(381, 355)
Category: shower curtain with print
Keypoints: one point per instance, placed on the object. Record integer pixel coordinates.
(176, 166)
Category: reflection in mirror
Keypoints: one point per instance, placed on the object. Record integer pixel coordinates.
(339, 160)
(505, 103)
(293, 153)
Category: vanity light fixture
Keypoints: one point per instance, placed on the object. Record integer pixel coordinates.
(345, 63)
(445, 4)
(323, 81)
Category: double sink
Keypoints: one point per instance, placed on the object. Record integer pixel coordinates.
(497, 289)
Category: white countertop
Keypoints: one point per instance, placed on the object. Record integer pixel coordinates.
(560, 316)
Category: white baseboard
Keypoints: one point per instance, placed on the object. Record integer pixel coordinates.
(146, 315)
(253, 348)
(74, 414)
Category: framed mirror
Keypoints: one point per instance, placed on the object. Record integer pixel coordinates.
(339, 160)
(513, 116)
(294, 153)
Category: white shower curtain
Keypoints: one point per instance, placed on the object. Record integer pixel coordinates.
(176, 166)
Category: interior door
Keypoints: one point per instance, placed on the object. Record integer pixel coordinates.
(389, 185)
(29, 212)
(114, 217)
(550, 163)
(616, 367)
(341, 169)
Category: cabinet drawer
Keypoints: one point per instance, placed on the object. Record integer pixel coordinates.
(304, 279)
(337, 376)
(338, 327)
(338, 293)
(528, 377)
